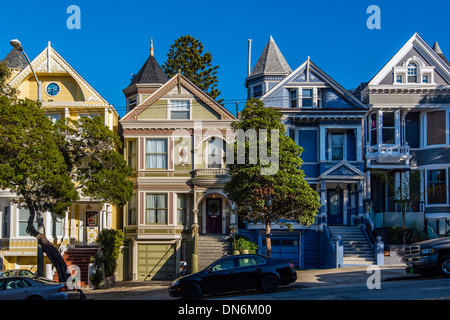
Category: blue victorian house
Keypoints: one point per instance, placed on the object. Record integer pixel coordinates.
(327, 121)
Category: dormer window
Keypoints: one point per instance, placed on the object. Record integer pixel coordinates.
(307, 98)
(425, 78)
(293, 98)
(399, 78)
(412, 72)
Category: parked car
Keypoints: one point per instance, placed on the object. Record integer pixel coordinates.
(235, 273)
(16, 272)
(35, 288)
(428, 257)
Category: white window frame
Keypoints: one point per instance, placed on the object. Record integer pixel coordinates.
(344, 144)
(166, 208)
(170, 108)
(167, 153)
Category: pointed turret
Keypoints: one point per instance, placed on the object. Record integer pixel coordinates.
(271, 61)
(149, 78)
(270, 69)
(15, 60)
(439, 52)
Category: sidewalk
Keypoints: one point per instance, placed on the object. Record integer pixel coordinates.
(157, 290)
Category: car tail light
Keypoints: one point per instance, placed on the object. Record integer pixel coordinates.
(65, 288)
(291, 265)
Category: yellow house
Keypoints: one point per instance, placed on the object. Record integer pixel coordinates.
(65, 94)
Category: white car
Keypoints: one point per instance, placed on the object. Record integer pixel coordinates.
(35, 288)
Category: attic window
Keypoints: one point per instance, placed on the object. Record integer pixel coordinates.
(412, 72)
(307, 98)
(179, 109)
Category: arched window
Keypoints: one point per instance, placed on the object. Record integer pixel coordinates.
(412, 72)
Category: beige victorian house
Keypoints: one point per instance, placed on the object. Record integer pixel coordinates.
(175, 136)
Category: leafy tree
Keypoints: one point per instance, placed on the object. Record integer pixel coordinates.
(186, 55)
(48, 166)
(282, 194)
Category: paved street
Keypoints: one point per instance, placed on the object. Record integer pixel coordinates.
(329, 284)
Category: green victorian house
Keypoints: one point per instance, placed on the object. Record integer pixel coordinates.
(174, 138)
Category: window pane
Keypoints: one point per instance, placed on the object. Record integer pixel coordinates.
(156, 208)
(184, 115)
(388, 136)
(436, 128)
(307, 100)
(389, 119)
(436, 186)
(156, 157)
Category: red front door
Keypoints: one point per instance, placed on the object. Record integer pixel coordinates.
(213, 215)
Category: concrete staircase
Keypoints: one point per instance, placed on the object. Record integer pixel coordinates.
(357, 248)
(80, 257)
(212, 248)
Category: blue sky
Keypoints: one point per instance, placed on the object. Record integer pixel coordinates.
(114, 38)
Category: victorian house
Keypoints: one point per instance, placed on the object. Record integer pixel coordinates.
(407, 138)
(327, 121)
(175, 136)
(64, 94)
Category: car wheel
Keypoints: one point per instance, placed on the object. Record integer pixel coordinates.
(192, 291)
(443, 266)
(269, 283)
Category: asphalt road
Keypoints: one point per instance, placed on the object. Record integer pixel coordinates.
(409, 289)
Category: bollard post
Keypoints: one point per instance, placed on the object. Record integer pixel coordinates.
(339, 252)
(379, 253)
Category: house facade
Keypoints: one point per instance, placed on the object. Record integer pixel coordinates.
(175, 136)
(65, 94)
(407, 138)
(327, 121)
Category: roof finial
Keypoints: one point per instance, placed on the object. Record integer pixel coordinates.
(151, 47)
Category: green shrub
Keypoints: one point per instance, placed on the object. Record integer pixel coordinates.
(109, 241)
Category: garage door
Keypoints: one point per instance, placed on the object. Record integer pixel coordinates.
(156, 262)
(284, 248)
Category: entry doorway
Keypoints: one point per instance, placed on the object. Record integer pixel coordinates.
(213, 215)
(334, 207)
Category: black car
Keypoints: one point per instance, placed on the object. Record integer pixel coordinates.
(235, 273)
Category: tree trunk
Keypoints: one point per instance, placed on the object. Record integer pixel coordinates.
(268, 240)
(48, 248)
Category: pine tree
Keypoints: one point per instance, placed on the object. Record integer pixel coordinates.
(186, 55)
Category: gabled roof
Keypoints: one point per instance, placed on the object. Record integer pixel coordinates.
(343, 168)
(176, 80)
(50, 61)
(435, 58)
(312, 68)
(15, 60)
(271, 61)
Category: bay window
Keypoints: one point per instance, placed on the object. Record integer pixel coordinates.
(436, 186)
(388, 133)
(156, 154)
(156, 209)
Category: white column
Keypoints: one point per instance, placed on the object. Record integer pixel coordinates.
(359, 144)
(108, 216)
(322, 152)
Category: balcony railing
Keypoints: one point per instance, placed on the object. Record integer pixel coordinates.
(395, 151)
(210, 172)
(395, 219)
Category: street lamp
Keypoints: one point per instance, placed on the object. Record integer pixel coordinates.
(17, 45)
(40, 254)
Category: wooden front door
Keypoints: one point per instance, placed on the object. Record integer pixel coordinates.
(213, 215)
